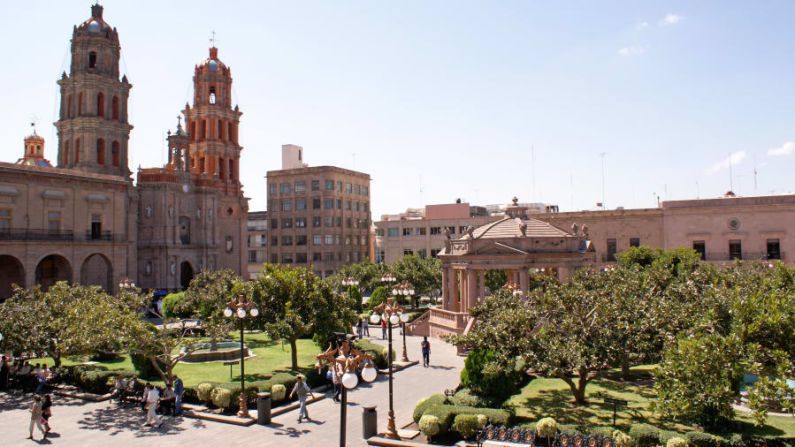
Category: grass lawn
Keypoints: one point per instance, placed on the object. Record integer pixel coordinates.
(269, 356)
(552, 397)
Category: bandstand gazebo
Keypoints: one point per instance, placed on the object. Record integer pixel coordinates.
(515, 244)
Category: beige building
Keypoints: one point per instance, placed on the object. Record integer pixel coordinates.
(83, 221)
(319, 216)
(257, 242)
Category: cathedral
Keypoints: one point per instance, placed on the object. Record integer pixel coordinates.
(80, 218)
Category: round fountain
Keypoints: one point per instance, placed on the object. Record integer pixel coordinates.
(223, 352)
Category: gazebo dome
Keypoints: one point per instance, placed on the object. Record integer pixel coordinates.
(516, 227)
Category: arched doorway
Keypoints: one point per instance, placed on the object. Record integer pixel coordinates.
(52, 269)
(185, 274)
(97, 271)
(11, 272)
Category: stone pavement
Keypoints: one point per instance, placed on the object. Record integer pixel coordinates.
(79, 423)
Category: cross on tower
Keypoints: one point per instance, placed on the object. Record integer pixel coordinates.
(212, 39)
(33, 120)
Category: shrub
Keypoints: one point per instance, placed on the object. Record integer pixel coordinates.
(377, 351)
(429, 426)
(676, 441)
(447, 413)
(482, 420)
(546, 428)
(622, 439)
(222, 397)
(466, 425)
(645, 435)
(378, 296)
(204, 392)
(485, 378)
(701, 439)
(466, 398)
(426, 403)
(173, 306)
(278, 392)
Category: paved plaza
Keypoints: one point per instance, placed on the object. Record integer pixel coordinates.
(80, 423)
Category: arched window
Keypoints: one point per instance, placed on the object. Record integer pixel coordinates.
(220, 135)
(100, 151)
(114, 108)
(231, 169)
(80, 104)
(204, 129)
(92, 60)
(66, 153)
(69, 110)
(193, 130)
(77, 150)
(229, 135)
(101, 104)
(221, 167)
(114, 153)
(212, 95)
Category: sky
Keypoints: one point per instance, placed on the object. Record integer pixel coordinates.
(564, 102)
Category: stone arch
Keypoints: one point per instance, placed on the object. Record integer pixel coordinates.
(97, 271)
(51, 269)
(186, 274)
(11, 272)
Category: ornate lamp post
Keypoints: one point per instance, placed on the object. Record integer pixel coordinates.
(345, 359)
(388, 278)
(126, 283)
(404, 289)
(391, 313)
(241, 307)
(352, 282)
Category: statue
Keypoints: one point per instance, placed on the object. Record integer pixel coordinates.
(471, 232)
(515, 201)
(523, 228)
(585, 231)
(575, 229)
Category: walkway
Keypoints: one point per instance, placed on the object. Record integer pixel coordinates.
(77, 423)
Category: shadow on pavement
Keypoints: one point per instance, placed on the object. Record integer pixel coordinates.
(281, 430)
(115, 420)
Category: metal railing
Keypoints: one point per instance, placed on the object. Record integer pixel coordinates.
(20, 234)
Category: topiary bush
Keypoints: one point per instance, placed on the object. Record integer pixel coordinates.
(278, 392)
(221, 397)
(425, 403)
(483, 420)
(701, 439)
(676, 441)
(447, 413)
(378, 296)
(645, 435)
(466, 425)
(484, 377)
(466, 398)
(204, 392)
(546, 428)
(429, 426)
(622, 439)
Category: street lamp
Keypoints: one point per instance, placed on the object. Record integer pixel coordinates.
(126, 283)
(241, 307)
(391, 313)
(388, 278)
(345, 360)
(352, 282)
(407, 290)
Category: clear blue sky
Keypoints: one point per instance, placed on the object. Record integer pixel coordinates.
(444, 99)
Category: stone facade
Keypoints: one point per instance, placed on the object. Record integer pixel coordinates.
(320, 216)
(85, 222)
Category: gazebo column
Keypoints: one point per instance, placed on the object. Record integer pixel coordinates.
(472, 288)
(564, 273)
(455, 291)
(524, 280)
(481, 284)
(445, 288)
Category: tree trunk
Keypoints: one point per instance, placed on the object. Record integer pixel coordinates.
(578, 389)
(625, 373)
(294, 353)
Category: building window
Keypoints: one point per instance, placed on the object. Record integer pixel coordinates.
(611, 250)
(252, 256)
(339, 204)
(422, 253)
(300, 240)
(339, 186)
(316, 257)
(392, 232)
(287, 258)
(435, 252)
(773, 249)
(300, 187)
(287, 240)
(634, 242)
(407, 231)
(328, 221)
(365, 190)
(735, 249)
(287, 205)
(287, 223)
(100, 151)
(274, 224)
(407, 252)
(54, 220)
(5, 219)
(300, 222)
(96, 226)
(300, 204)
(275, 241)
(349, 188)
(114, 108)
(462, 229)
(212, 95)
(348, 206)
(701, 248)
(328, 204)
(328, 256)
(274, 258)
(436, 230)
(359, 190)
(315, 185)
(92, 60)
(284, 188)
(347, 240)
(300, 258)
(452, 230)
(329, 185)
(316, 204)
(101, 105)
(272, 189)
(329, 239)
(339, 222)
(317, 239)
(316, 221)
(114, 153)
(422, 231)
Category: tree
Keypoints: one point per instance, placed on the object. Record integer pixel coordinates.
(495, 279)
(206, 299)
(159, 345)
(295, 303)
(367, 273)
(378, 296)
(425, 274)
(642, 256)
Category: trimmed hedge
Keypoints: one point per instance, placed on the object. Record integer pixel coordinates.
(426, 403)
(466, 425)
(466, 398)
(645, 435)
(92, 378)
(447, 413)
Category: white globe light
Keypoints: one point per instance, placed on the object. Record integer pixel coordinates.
(411, 291)
(395, 292)
(375, 318)
(394, 319)
(404, 318)
(349, 380)
(254, 312)
(369, 373)
(241, 313)
(228, 312)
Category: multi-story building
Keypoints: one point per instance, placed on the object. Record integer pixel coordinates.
(257, 242)
(319, 216)
(84, 221)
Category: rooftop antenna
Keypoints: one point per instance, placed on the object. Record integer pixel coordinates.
(698, 191)
(602, 155)
(421, 191)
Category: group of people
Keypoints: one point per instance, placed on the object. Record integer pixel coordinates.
(24, 374)
(40, 413)
(154, 400)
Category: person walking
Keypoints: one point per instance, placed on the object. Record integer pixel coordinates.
(365, 327)
(179, 390)
(35, 417)
(5, 373)
(152, 399)
(426, 351)
(301, 389)
(46, 412)
(335, 380)
(383, 328)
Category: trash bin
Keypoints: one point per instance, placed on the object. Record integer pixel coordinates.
(263, 408)
(369, 422)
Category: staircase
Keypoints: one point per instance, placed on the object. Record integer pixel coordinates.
(419, 327)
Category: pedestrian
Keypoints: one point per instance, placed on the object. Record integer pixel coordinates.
(426, 351)
(41, 378)
(179, 390)
(359, 328)
(383, 328)
(46, 412)
(5, 373)
(145, 396)
(335, 380)
(301, 389)
(35, 417)
(366, 327)
(152, 399)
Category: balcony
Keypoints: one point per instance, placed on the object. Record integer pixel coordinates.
(20, 234)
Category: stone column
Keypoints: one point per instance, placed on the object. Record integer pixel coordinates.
(472, 289)
(481, 284)
(564, 273)
(454, 290)
(524, 280)
(445, 288)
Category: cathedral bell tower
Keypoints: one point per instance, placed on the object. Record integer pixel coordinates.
(212, 124)
(93, 131)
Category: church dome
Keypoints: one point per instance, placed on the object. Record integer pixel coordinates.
(94, 27)
(95, 24)
(212, 64)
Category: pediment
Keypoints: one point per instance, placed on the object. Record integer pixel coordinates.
(498, 248)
